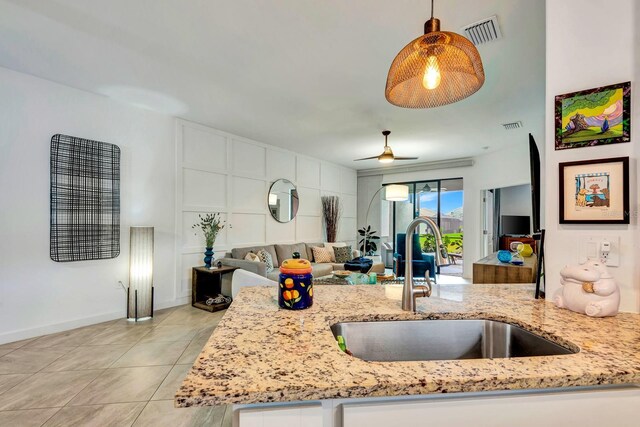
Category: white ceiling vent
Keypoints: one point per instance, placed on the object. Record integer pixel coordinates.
(512, 125)
(483, 31)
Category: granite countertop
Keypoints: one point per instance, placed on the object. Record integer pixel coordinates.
(259, 353)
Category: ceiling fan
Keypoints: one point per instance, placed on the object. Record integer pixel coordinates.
(387, 155)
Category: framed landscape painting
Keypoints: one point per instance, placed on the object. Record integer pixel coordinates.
(595, 191)
(593, 117)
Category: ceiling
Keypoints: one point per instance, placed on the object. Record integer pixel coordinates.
(306, 75)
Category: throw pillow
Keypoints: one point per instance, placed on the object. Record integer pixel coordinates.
(343, 253)
(321, 254)
(310, 247)
(332, 245)
(266, 258)
(252, 257)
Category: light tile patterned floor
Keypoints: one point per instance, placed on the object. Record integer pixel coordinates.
(116, 373)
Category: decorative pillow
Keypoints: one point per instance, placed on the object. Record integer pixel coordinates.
(310, 250)
(343, 253)
(321, 254)
(332, 245)
(266, 258)
(252, 257)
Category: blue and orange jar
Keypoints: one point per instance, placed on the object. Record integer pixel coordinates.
(296, 284)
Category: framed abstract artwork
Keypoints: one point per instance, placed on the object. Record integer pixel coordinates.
(85, 199)
(593, 117)
(595, 191)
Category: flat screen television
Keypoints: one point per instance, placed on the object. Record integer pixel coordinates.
(534, 163)
(515, 225)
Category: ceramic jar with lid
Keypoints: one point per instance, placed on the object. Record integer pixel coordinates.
(295, 289)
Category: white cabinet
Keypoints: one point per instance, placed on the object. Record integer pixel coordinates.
(584, 408)
(279, 416)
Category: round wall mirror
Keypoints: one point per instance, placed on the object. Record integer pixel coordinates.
(283, 200)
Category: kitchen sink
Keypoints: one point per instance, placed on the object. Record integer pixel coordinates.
(414, 340)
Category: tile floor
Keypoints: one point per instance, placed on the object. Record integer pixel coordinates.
(116, 373)
(445, 279)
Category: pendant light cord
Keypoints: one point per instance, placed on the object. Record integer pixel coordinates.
(431, 9)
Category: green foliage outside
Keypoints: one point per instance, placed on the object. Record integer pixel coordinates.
(428, 242)
(453, 242)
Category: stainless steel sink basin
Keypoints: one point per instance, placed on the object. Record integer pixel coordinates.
(407, 340)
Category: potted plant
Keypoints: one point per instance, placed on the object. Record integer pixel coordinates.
(210, 224)
(367, 244)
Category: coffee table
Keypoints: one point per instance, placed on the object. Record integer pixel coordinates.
(329, 280)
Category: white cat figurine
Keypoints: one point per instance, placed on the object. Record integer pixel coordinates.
(589, 289)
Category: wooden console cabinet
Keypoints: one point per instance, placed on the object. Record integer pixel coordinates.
(505, 242)
(490, 270)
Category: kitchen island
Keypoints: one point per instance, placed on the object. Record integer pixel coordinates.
(286, 365)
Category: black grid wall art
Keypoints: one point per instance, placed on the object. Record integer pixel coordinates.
(85, 199)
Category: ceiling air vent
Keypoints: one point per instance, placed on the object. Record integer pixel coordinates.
(512, 125)
(483, 31)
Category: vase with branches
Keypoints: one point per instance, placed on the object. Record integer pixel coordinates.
(331, 211)
(210, 225)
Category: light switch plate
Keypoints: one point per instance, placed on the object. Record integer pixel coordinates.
(589, 248)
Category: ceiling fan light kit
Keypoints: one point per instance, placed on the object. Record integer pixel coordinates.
(387, 155)
(436, 69)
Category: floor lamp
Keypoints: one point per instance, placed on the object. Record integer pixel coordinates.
(140, 291)
(393, 193)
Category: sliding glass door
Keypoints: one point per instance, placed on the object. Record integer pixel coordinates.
(428, 205)
(451, 224)
(442, 201)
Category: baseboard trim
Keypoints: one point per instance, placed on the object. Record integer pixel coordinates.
(173, 303)
(24, 334)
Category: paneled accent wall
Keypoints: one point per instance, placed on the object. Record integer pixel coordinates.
(221, 172)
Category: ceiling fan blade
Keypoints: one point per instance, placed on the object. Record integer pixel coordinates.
(405, 158)
(366, 158)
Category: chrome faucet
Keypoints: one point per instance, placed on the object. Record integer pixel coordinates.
(410, 291)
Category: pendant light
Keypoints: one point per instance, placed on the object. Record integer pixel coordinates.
(436, 69)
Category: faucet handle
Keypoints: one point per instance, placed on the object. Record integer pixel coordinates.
(422, 291)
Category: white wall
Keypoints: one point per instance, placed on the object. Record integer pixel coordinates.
(581, 57)
(221, 172)
(38, 295)
(499, 169)
(218, 172)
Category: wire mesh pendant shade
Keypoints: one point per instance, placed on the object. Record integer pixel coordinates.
(436, 69)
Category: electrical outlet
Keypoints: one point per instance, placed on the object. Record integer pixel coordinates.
(591, 247)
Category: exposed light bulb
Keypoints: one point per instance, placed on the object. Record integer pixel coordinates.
(431, 79)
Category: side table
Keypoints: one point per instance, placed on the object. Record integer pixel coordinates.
(207, 283)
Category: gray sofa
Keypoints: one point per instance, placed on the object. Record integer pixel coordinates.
(279, 253)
